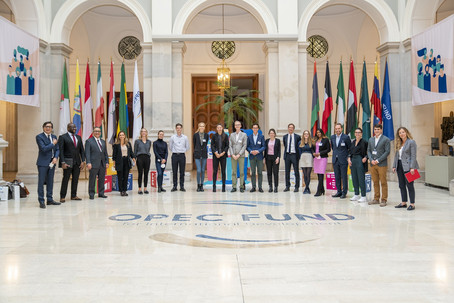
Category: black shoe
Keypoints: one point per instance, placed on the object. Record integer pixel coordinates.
(201, 188)
(286, 189)
(42, 205)
(163, 190)
(260, 190)
(214, 189)
(242, 189)
(309, 191)
(296, 190)
(182, 189)
(411, 207)
(140, 192)
(270, 190)
(223, 188)
(275, 189)
(125, 194)
(401, 206)
(343, 196)
(252, 190)
(174, 189)
(337, 195)
(93, 197)
(159, 189)
(318, 194)
(198, 187)
(52, 202)
(145, 192)
(233, 190)
(102, 196)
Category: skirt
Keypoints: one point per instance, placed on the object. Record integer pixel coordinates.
(306, 160)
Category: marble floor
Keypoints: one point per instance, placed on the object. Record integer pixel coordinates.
(227, 247)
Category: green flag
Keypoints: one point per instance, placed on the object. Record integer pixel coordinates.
(340, 99)
(123, 105)
(364, 99)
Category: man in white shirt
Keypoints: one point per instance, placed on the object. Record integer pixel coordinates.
(179, 145)
(237, 148)
(292, 156)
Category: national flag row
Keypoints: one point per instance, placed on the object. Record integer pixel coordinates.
(349, 116)
(83, 113)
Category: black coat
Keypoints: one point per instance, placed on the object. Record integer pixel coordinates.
(220, 147)
(117, 156)
(277, 147)
(70, 154)
(324, 149)
(200, 148)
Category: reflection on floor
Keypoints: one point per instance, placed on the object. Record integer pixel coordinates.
(227, 247)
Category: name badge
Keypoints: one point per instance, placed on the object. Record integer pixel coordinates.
(374, 152)
(204, 140)
(342, 144)
(320, 144)
(239, 141)
(258, 142)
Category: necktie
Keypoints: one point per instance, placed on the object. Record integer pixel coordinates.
(50, 139)
(99, 144)
(290, 144)
(74, 139)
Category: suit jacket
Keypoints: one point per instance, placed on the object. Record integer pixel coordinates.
(277, 147)
(324, 149)
(297, 144)
(70, 154)
(118, 157)
(259, 146)
(379, 152)
(340, 152)
(46, 149)
(94, 156)
(408, 157)
(200, 148)
(238, 144)
(220, 146)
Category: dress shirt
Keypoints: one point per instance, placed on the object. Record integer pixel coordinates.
(337, 140)
(255, 138)
(376, 140)
(400, 152)
(271, 147)
(291, 148)
(73, 137)
(98, 141)
(50, 139)
(179, 144)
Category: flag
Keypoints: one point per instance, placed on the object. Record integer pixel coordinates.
(87, 115)
(326, 119)
(112, 123)
(352, 106)
(375, 98)
(315, 105)
(65, 116)
(388, 128)
(364, 99)
(136, 106)
(99, 116)
(77, 104)
(123, 121)
(340, 99)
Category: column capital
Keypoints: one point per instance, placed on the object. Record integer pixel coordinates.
(388, 48)
(146, 46)
(43, 45)
(407, 44)
(60, 49)
(178, 47)
(270, 47)
(302, 46)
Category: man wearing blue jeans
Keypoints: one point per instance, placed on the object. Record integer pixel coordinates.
(256, 147)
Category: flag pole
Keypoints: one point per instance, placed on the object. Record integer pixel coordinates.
(337, 104)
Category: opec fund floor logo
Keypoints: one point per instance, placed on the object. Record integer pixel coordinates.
(243, 219)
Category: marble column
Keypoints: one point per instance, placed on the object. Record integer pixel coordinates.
(147, 88)
(305, 105)
(3, 145)
(30, 119)
(178, 50)
(271, 100)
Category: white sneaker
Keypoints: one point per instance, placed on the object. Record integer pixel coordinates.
(363, 199)
(355, 198)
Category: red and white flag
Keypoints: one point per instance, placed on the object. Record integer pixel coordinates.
(99, 116)
(111, 119)
(87, 116)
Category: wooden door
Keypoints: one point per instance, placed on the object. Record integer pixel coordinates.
(210, 114)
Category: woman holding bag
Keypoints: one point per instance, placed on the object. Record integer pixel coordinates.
(123, 160)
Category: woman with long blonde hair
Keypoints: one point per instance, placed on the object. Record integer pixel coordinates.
(142, 148)
(404, 162)
(306, 159)
(199, 142)
(123, 160)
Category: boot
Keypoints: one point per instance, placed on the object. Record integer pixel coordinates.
(159, 189)
(198, 187)
(201, 187)
(223, 188)
(214, 188)
(275, 189)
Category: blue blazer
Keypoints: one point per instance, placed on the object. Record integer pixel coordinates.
(45, 149)
(340, 153)
(260, 146)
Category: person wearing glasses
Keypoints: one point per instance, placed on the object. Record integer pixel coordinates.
(357, 160)
(47, 158)
(161, 152)
(199, 142)
(97, 162)
(237, 149)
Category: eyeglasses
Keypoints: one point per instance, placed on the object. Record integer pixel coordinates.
(48, 126)
(97, 131)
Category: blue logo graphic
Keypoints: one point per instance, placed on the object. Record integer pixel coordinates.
(240, 203)
(238, 240)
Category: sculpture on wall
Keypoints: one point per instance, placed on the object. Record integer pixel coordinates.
(447, 128)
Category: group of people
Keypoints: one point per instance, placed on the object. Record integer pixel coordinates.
(313, 153)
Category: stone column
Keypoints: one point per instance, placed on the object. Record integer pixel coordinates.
(30, 119)
(178, 50)
(305, 105)
(271, 99)
(147, 88)
(3, 145)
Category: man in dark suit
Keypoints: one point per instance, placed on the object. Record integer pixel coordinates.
(255, 147)
(341, 145)
(97, 162)
(292, 156)
(47, 158)
(72, 160)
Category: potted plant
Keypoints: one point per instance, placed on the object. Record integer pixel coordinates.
(236, 106)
